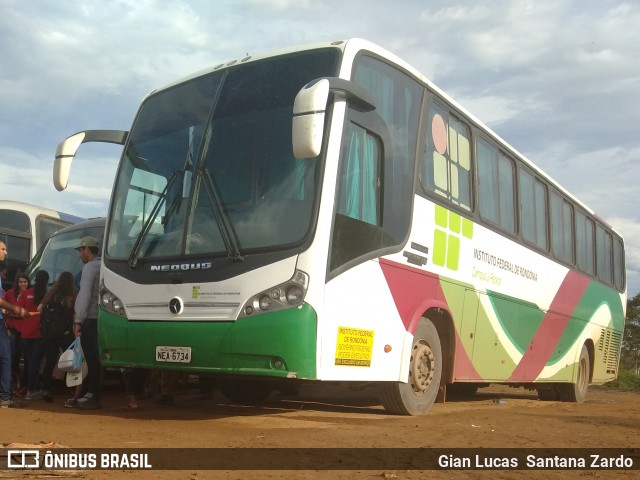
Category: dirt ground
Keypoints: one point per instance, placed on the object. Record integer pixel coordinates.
(327, 417)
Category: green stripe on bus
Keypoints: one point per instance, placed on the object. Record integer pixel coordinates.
(488, 355)
(519, 320)
(595, 296)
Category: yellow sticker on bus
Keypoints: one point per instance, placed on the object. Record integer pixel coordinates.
(354, 347)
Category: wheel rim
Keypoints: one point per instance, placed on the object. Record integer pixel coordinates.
(582, 374)
(423, 368)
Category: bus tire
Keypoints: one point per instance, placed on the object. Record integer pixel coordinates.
(548, 393)
(425, 370)
(577, 392)
(247, 392)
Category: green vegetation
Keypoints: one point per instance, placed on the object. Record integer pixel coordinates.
(629, 373)
(630, 355)
(626, 379)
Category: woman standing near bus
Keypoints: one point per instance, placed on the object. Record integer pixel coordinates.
(30, 329)
(58, 303)
(20, 284)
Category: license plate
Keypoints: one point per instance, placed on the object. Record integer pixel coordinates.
(173, 354)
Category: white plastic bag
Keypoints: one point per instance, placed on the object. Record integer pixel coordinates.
(75, 378)
(78, 355)
(71, 358)
(65, 361)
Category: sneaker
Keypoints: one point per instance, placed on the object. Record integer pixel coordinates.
(21, 392)
(71, 403)
(11, 403)
(88, 403)
(46, 396)
(33, 395)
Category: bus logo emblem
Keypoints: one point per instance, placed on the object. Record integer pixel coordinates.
(450, 228)
(176, 306)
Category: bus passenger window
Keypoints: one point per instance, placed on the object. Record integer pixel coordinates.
(618, 264)
(561, 228)
(585, 243)
(359, 189)
(604, 252)
(496, 186)
(357, 228)
(447, 163)
(533, 210)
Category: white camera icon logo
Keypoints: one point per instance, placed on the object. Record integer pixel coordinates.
(23, 458)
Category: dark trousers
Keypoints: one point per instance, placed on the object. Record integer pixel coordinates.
(34, 348)
(5, 362)
(134, 380)
(19, 351)
(89, 341)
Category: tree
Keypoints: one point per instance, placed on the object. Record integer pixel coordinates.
(630, 355)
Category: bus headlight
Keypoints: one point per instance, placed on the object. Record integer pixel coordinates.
(117, 306)
(107, 298)
(265, 302)
(295, 295)
(110, 302)
(286, 295)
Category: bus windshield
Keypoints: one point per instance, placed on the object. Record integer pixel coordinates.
(58, 254)
(209, 167)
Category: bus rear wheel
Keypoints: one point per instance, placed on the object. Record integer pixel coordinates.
(548, 393)
(577, 392)
(425, 370)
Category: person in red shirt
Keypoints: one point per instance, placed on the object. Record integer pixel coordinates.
(30, 330)
(20, 284)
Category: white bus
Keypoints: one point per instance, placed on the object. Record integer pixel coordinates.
(58, 255)
(326, 213)
(25, 228)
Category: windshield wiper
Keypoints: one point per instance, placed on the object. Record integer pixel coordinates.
(228, 233)
(146, 226)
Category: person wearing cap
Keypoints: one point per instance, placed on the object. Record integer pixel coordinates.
(86, 322)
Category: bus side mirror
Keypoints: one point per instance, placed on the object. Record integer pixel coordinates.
(308, 119)
(309, 110)
(67, 149)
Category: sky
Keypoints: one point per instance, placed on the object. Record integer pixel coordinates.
(558, 79)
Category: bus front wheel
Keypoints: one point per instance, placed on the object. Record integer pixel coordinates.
(425, 370)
